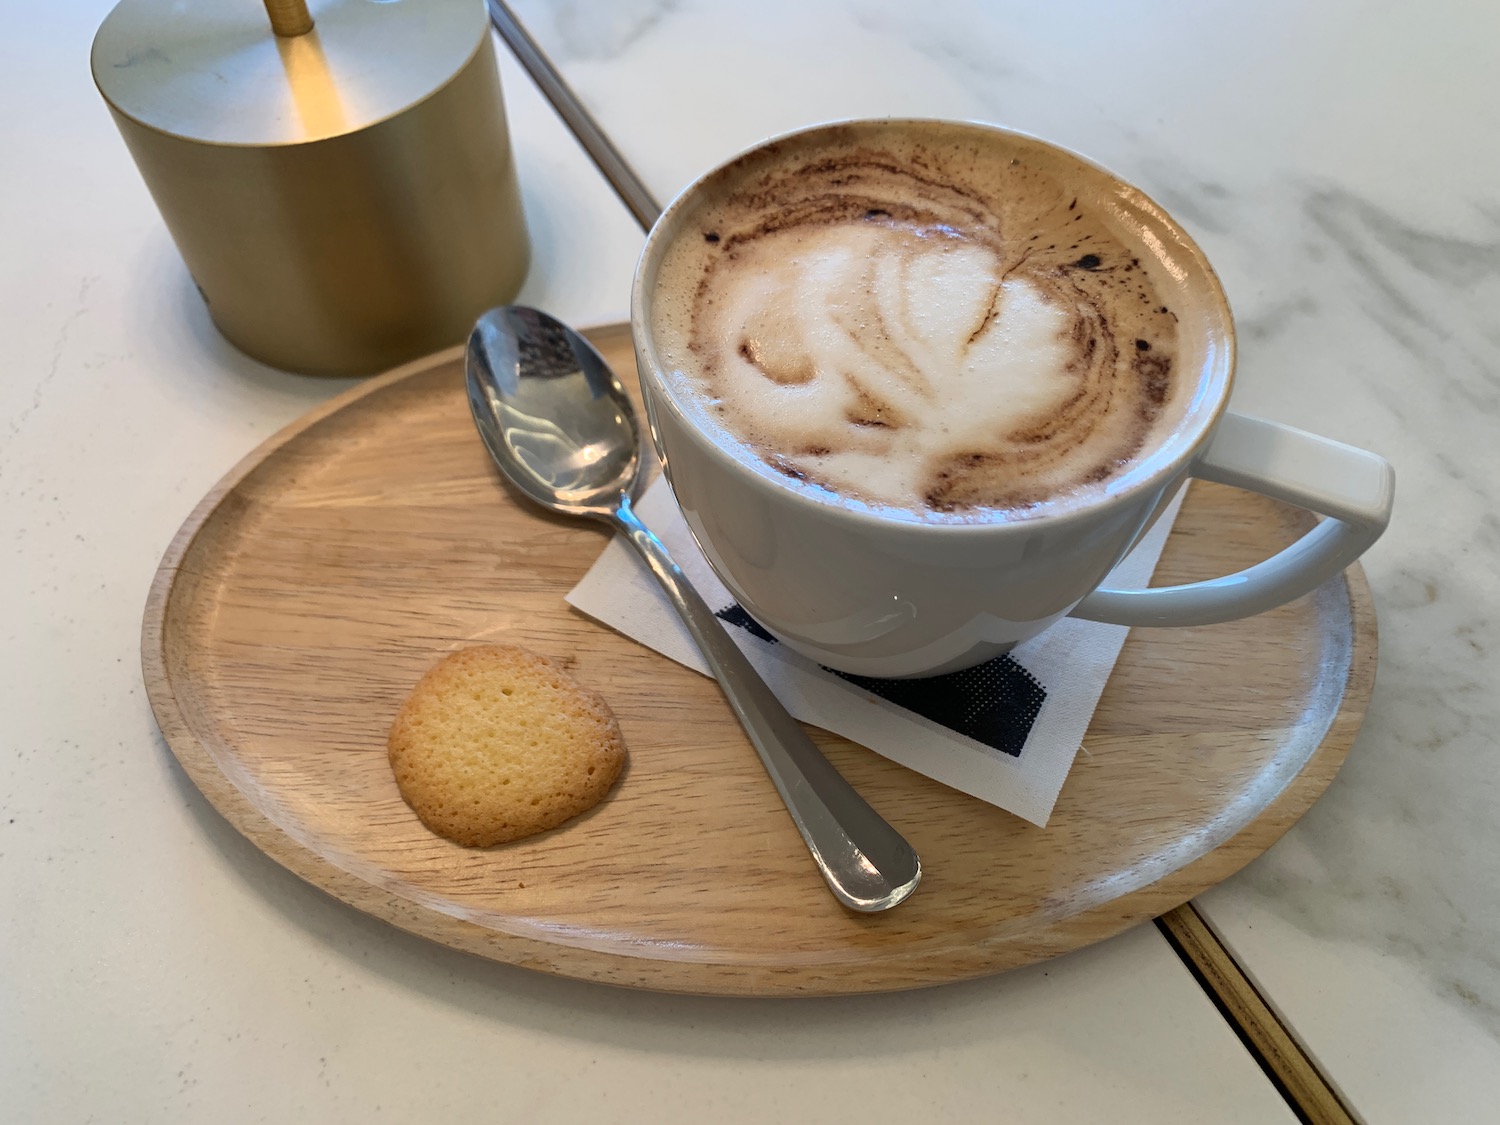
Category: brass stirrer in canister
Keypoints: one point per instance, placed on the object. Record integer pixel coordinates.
(339, 183)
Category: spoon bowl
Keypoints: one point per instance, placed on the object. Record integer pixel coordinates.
(552, 413)
(562, 430)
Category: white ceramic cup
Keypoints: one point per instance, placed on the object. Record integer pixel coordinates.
(881, 596)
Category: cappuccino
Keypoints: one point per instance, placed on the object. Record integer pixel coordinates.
(921, 324)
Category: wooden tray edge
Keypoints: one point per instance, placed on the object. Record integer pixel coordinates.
(607, 966)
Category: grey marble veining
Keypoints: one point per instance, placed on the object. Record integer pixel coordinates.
(574, 31)
(1337, 162)
(1382, 332)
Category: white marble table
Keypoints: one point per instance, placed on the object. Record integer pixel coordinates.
(1338, 162)
(155, 967)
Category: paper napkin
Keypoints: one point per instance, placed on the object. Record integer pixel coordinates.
(1006, 732)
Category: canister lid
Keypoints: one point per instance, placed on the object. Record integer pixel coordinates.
(213, 71)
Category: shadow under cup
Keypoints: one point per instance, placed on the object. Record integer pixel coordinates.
(888, 593)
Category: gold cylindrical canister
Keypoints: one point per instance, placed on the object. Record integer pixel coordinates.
(345, 198)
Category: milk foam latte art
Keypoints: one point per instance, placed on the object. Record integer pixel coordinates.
(919, 386)
(926, 326)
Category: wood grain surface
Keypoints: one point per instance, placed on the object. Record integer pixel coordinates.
(310, 590)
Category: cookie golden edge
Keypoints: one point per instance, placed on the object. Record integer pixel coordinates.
(424, 767)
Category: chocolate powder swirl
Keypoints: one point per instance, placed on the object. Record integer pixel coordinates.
(942, 332)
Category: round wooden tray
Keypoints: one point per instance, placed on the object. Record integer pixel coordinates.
(315, 584)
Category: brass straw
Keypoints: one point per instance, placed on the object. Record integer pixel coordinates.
(289, 18)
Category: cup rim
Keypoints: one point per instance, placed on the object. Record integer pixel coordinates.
(1184, 443)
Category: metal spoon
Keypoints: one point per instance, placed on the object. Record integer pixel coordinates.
(559, 425)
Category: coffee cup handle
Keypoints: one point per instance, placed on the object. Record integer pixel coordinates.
(1350, 486)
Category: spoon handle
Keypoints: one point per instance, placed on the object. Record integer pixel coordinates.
(867, 863)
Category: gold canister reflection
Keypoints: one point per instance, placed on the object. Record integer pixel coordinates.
(353, 218)
(315, 94)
